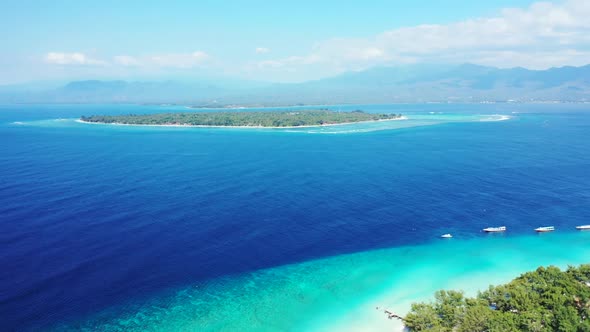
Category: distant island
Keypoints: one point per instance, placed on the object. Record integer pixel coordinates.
(270, 119)
(543, 300)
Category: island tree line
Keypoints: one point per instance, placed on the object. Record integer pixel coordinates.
(248, 119)
(547, 299)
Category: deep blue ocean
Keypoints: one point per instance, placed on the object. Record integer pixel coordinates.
(95, 216)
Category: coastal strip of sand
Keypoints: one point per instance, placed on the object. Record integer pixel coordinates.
(467, 265)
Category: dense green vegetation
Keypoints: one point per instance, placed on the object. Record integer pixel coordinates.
(250, 119)
(544, 300)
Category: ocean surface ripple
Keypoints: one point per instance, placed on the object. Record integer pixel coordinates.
(129, 228)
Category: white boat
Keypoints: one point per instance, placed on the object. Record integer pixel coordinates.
(583, 227)
(446, 236)
(544, 229)
(495, 229)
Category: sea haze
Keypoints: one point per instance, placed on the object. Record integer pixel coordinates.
(418, 83)
(131, 228)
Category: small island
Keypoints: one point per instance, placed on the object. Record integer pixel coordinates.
(268, 119)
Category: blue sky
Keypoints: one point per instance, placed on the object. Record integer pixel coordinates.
(279, 41)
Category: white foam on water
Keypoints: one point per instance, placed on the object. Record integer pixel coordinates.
(496, 117)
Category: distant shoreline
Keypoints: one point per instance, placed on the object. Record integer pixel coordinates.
(243, 127)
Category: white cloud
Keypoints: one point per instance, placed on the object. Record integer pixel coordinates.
(144, 62)
(75, 58)
(369, 53)
(261, 50)
(169, 60)
(126, 60)
(542, 25)
(292, 60)
(179, 60)
(542, 35)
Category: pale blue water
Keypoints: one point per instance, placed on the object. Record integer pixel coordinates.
(139, 228)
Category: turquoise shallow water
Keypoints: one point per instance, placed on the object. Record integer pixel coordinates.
(342, 292)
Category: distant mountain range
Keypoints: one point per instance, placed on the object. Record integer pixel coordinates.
(414, 83)
(115, 92)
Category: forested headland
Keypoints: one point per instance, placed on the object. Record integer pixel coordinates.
(547, 299)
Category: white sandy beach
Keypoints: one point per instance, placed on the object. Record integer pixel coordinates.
(470, 266)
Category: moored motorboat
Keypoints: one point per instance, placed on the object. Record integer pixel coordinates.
(446, 236)
(544, 229)
(495, 229)
(583, 227)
